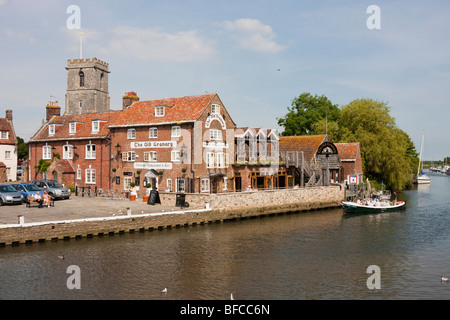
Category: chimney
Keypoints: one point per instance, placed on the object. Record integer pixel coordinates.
(52, 109)
(9, 115)
(128, 99)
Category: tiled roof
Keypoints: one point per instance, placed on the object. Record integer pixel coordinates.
(83, 126)
(348, 151)
(6, 125)
(176, 110)
(307, 144)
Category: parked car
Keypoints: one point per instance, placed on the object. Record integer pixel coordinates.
(9, 195)
(27, 189)
(54, 188)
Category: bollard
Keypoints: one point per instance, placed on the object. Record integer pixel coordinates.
(207, 205)
(128, 212)
(21, 219)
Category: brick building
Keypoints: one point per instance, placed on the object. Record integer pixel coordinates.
(350, 155)
(181, 144)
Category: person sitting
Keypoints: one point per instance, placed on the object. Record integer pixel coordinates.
(46, 199)
(38, 198)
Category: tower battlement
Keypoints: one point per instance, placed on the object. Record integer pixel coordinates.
(77, 62)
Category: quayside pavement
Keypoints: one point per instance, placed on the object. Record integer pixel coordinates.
(79, 208)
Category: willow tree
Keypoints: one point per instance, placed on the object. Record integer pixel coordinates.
(388, 153)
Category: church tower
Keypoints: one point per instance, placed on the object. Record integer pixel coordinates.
(87, 86)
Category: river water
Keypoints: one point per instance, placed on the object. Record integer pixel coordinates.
(310, 255)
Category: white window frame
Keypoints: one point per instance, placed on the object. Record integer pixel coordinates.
(205, 185)
(153, 133)
(180, 182)
(215, 134)
(175, 156)
(131, 133)
(4, 135)
(95, 126)
(225, 184)
(169, 184)
(150, 156)
(129, 156)
(72, 127)
(220, 160)
(90, 151)
(210, 160)
(159, 111)
(78, 173)
(90, 176)
(67, 151)
(46, 152)
(51, 129)
(215, 108)
(7, 155)
(176, 132)
(127, 182)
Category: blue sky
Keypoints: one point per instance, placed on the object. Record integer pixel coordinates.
(257, 55)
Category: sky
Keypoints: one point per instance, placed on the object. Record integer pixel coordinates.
(257, 55)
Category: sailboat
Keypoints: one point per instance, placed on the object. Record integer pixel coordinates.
(422, 178)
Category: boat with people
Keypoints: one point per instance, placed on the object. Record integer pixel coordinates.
(372, 206)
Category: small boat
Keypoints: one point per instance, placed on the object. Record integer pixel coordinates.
(353, 207)
(421, 177)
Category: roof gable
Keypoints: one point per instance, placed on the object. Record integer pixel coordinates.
(307, 144)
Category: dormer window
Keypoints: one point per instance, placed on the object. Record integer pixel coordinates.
(95, 126)
(215, 108)
(72, 127)
(51, 130)
(4, 135)
(159, 111)
(131, 133)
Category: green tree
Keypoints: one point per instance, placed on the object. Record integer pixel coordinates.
(388, 153)
(305, 111)
(22, 149)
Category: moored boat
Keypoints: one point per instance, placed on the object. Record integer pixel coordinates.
(353, 207)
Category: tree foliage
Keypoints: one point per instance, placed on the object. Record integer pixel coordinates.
(305, 111)
(388, 153)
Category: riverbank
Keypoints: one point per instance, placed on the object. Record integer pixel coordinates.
(88, 217)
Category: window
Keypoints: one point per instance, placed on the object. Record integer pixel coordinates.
(175, 155)
(90, 176)
(81, 75)
(210, 159)
(180, 186)
(169, 185)
(131, 134)
(126, 183)
(72, 127)
(44, 175)
(51, 129)
(7, 155)
(225, 184)
(90, 151)
(215, 134)
(176, 132)
(159, 111)
(215, 108)
(153, 133)
(150, 156)
(46, 152)
(95, 126)
(67, 151)
(205, 185)
(4, 135)
(220, 160)
(78, 173)
(129, 156)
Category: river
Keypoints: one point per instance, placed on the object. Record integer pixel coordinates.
(309, 255)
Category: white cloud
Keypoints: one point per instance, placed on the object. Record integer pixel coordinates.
(254, 35)
(151, 44)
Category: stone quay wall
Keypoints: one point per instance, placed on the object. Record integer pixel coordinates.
(203, 209)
